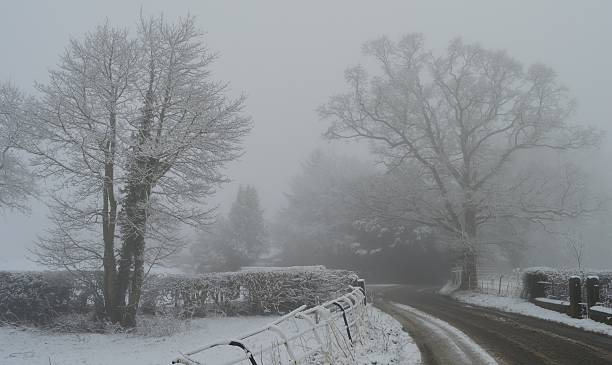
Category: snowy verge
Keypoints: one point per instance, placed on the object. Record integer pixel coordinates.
(384, 343)
(449, 288)
(33, 346)
(521, 306)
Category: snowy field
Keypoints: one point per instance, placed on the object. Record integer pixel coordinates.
(384, 343)
(521, 306)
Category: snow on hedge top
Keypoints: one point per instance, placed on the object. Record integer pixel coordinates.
(283, 268)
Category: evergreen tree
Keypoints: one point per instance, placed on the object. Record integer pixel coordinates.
(237, 240)
(247, 223)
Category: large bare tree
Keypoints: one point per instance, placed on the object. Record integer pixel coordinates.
(187, 129)
(135, 132)
(455, 129)
(16, 183)
(81, 122)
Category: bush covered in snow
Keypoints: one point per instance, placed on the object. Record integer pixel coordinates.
(256, 291)
(40, 297)
(34, 297)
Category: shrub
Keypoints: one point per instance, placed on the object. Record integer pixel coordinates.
(34, 297)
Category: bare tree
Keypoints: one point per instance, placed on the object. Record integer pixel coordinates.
(454, 126)
(186, 131)
(135, 133)
(575, 247)
(16, 182)
(82, 121)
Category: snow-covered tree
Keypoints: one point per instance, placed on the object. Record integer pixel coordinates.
(329, 220)
(237, 240)
(81, 122)
(456, 124)
(318, 219)
(16, 182)
(187, 129)
(247, 222)
(135, 132)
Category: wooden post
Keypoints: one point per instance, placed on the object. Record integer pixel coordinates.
(499, 288)
(575, 292)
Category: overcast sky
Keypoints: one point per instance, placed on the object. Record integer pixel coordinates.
(289, 57)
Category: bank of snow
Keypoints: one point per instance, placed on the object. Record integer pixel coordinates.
(521, 306)
(384, 343)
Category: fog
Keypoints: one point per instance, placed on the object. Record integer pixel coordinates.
(288, 58)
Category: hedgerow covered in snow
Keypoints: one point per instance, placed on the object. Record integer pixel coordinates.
(257, 291)
(40, 297)
(557, 280)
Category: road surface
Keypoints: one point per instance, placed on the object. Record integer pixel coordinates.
(507, 337)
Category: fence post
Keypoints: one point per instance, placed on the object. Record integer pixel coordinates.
(361, 285)
(575, 292)
(323, 315)
(592, 291)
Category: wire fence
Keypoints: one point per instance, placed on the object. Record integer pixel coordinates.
(504, 284)
(324, 333)
(491, 281)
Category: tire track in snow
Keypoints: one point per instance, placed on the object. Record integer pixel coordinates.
(512, 339)
(439, 342)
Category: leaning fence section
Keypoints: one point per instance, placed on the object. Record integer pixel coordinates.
(324, 332)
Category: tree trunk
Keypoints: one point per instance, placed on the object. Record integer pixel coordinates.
(109, 221)
(469, 278)
(109, 274)
(134, 237)
(122, 282)
(140, 183)
(136, 284)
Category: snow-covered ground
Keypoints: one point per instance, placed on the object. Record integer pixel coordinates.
(20, 346)
(521, 306)
(384, 343)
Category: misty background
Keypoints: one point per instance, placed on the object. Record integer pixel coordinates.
(289, 57)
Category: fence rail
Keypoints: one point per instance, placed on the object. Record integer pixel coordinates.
(324, 330)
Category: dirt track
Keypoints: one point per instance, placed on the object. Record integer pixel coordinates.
(509, 338)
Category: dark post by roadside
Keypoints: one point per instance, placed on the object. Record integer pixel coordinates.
(592, 290)
(575, 293)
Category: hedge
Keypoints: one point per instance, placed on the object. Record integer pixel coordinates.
(39, 297)
(558, 279)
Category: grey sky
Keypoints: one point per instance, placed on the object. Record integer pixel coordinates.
(289, 57)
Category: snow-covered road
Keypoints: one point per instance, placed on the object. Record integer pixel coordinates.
(438, 325)
(446, 344)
